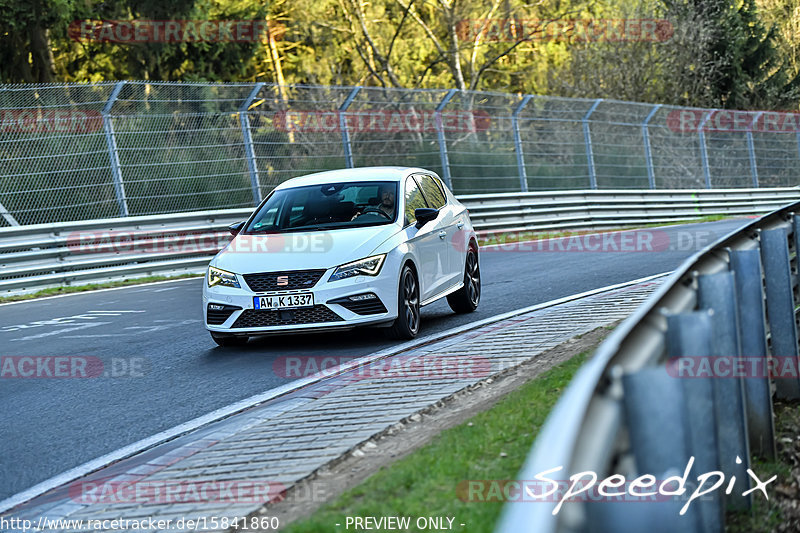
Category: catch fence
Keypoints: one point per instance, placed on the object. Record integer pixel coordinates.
(90, 151)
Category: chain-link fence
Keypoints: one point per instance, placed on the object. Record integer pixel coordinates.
(80, 151)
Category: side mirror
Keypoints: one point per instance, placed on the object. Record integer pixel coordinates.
(234, 229)
(425, 215)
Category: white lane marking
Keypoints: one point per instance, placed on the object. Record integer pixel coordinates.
(229, 410)
(141, 329)
(162, 327)
(84, 293)
(94, 336)
(166, 289)
(59, 321)
(60, 331)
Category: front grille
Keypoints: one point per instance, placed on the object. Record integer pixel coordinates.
(297, 279)
(262, 318)
(216, 314)
(371, 306)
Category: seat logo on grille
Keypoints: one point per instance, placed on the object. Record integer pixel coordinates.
(282, 281)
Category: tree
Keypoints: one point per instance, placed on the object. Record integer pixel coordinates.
(25, 46)
(718, 55)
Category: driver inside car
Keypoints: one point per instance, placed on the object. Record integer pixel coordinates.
(386, 204)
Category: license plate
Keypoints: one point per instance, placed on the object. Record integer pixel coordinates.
(284, 301)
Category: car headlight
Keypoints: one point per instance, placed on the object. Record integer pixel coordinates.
(218, 276)
(369, 266)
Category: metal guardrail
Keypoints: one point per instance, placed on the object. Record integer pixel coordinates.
(633, 409)
(67, 253)
(81, 151)
(592, 209)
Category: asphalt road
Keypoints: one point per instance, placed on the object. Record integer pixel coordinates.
(164, 369)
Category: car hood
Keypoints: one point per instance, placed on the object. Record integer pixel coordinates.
(301, 250)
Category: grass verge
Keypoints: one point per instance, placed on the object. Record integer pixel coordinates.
(781, 512)
(92, 286)
(491, 446)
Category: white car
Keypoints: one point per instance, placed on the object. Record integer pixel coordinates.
(340, 249)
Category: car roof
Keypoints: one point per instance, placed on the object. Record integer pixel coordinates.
(353, 174)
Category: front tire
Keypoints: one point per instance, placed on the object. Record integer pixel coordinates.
(226, 341)
(466, 299)
(406, 325)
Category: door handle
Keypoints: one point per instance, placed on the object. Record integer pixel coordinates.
(442, 234)
(460, 225)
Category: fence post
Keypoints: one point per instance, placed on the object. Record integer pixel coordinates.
(751, 149)
(648, 155)
(523, 175)
(113, 154)
(704, 149)
(442, 141)
(348, 152)
(587, 139)
(252, 165)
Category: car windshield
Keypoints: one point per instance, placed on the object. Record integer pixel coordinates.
(328, 206)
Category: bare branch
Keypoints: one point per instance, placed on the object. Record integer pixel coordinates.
(424, 27)
(474, 81)
(385, 66)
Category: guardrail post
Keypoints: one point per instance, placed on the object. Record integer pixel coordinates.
(587, 139)
(746, 265)
(717, 293)
(9, 218)
(689, 335)
(113, 153)
(441, 138)
(523, 175)
(648, 155)
(348, 152)
(704, 148)
(780, 308)
(751, 150)
(250, 153)
(659, 440)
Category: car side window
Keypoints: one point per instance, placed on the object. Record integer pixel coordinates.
(432, 191)
(413, 200)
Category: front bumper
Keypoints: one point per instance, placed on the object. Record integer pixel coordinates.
(231, 310)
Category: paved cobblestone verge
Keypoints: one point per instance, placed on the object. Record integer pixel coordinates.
(229, 468)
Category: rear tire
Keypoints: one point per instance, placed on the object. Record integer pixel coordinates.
(466, 299)
(226, 340)
(406, 325)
